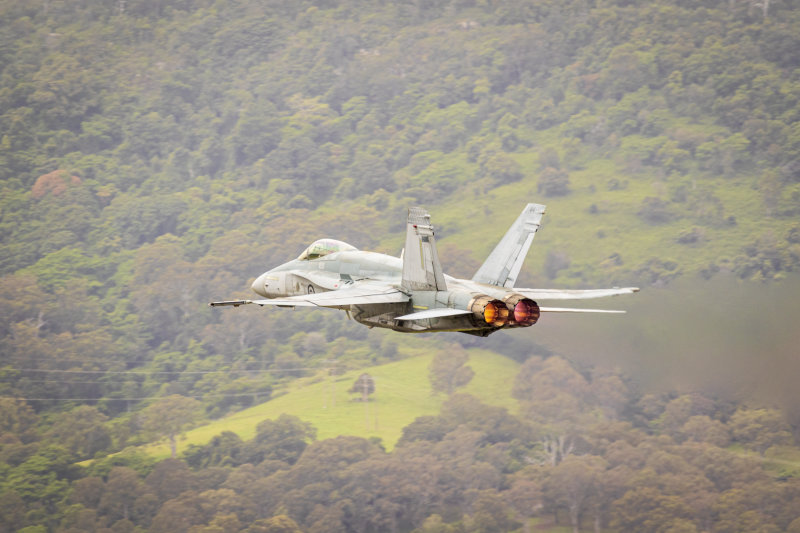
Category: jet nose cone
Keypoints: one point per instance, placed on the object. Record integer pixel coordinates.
(259, 285)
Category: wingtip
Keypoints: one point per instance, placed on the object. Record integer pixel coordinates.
(629, 289)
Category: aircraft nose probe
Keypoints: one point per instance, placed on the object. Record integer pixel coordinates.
(259, 285)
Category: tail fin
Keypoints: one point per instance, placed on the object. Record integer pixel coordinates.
(421, 268)
(502, 266)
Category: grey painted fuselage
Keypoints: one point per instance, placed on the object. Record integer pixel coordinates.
(341, 269)
(411, 293)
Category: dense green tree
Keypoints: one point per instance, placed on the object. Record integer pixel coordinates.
(87, 491)
(179, 514)
(276, 524)
(490, 513)
(573, 482)
(17, 418)
(44, 477)
(77, 519)
(225, 449)
(169, 479)
(388, 495)
(123, 488)
(429, 428)
(435, 524)
(169, 416)
(759, 428)
(496, 423)
(448, 370)
(647, 509)
(82, 431)
(283, 439)
(701, 428)
(221, 523)
(525, 498)
(609, 391)
(553, 394)
(12, 511)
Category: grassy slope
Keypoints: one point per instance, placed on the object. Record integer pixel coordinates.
(477, 213)
(403, 393)
(477, 221)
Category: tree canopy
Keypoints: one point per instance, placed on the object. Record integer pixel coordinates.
(156, 154)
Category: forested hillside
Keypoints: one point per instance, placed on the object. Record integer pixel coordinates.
(158, 154)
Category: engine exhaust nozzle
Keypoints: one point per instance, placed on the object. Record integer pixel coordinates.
(523, 312)
(489, 310)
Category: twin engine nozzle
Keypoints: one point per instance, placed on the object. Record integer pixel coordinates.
(514, 310)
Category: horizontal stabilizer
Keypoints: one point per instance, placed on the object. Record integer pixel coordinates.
(434, 313)
(570, 310)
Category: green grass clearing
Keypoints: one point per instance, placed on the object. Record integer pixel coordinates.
(403, 393)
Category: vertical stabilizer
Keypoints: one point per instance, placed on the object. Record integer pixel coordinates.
(502, 266)
(421, 268)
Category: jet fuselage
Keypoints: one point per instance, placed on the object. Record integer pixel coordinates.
(411, 293)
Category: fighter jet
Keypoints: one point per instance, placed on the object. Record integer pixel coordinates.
(410, 293)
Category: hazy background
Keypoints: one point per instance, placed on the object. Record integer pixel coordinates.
(723, 337)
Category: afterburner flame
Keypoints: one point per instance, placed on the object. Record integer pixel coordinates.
(524, 311)
(489, 310)
(495, 314)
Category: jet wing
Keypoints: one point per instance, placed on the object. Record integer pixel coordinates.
(357, 294)
(446, 311)
(568, 294)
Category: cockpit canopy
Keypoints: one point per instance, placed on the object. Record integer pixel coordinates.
(324, 247)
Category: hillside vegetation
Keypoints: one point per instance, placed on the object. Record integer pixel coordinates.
(403, 393)
(159, 154)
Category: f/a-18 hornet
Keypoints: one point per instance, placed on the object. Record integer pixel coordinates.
(411, 293)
